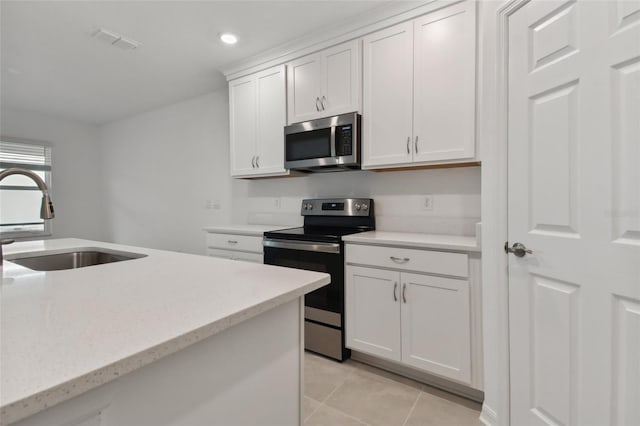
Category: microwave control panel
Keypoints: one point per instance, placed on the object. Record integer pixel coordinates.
(344, 138)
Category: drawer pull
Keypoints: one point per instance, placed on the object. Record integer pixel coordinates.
(404, 292)
(232, 241)
(399, 260)
(395, 295)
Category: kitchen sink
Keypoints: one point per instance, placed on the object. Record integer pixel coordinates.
(76, 258)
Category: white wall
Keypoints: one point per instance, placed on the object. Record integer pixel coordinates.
(76, 176)
(399, 198)
(163, 169)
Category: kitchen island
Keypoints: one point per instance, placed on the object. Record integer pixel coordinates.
(166, 339)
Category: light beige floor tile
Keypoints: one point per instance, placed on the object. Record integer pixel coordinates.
(322, 376)
(374, 400)
(327, 416)
(432, 410)
(310, 405)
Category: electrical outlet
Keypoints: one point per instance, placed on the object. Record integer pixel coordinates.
(427, 202)
(212, 205)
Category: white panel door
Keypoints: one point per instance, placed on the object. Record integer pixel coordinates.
(373, 311)
(574, 200)
(444, 84)
(341, 70)
(304, 88)
(271, 110)
(242, 118)
(387, 116)
(436, 329)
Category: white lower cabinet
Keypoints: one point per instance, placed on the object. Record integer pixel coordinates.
(421, 320)
(236, 247)
(373, 311)
(435, 327)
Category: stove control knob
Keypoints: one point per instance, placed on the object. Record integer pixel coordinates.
(304, 206)
(310, 206)
(358, 206)
(365, 207)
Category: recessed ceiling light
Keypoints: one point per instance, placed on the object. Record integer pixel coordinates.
(228, 38)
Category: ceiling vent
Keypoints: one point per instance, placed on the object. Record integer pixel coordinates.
(116, 39)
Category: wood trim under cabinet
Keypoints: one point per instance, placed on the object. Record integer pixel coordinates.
(427, 166)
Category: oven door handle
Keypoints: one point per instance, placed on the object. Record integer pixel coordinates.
(302, 245)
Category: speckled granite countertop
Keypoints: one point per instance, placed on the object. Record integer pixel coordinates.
(415, 240)
(253, 230)
(66, 332)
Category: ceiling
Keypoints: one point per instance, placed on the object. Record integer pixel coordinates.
(51, 64)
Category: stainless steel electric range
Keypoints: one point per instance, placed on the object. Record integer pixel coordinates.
(318, 246)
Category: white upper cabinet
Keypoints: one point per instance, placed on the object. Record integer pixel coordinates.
(242, 115)
(419, 90)
(444, 85)
(387, 125)
(257, 111)
(324, 83)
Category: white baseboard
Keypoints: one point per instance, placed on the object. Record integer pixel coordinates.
(420, 376)
(488, 416)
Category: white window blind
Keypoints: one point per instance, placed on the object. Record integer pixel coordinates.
(20, 197)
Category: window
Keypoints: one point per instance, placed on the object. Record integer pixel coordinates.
(20, 197)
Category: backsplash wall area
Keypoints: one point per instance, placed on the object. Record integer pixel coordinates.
(399, 196)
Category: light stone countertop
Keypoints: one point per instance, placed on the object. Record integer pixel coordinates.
(415, 240)
(66, 332)
(252, 230)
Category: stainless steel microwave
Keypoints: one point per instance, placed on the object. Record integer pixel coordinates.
(323, 145)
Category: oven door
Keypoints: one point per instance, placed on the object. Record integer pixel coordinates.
(312, 256)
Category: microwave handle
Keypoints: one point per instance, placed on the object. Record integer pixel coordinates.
(333, 141)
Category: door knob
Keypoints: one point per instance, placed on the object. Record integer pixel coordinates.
(518, 249)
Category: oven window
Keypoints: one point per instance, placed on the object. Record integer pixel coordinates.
(308, 145)
(329, 297)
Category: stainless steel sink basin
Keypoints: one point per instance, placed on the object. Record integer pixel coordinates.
(78, 258)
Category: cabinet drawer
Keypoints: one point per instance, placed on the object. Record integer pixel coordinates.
(224, 254)
(433, 262)
(235, 242)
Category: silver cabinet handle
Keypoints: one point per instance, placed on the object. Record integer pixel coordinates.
(399, 260)
(395, 294)
(518, 249)
(317, 100)
(416, 144)
(404, 292)
(257, 163)
(232, 241)
(408, 144)
(324, 98)
(253, 162)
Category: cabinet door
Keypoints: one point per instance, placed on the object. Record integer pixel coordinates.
(303, 88)
(341, 68)
(373, 311)
(444, 84)
(387, 128)
(271, 118)
(436, 331)
(242, 120)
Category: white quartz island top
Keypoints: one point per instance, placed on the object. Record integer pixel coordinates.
(252, 230)
(65, 332)
(415, 240)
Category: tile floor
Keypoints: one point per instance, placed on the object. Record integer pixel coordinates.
(355, 394)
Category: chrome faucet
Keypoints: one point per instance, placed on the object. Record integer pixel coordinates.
(46, 209)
